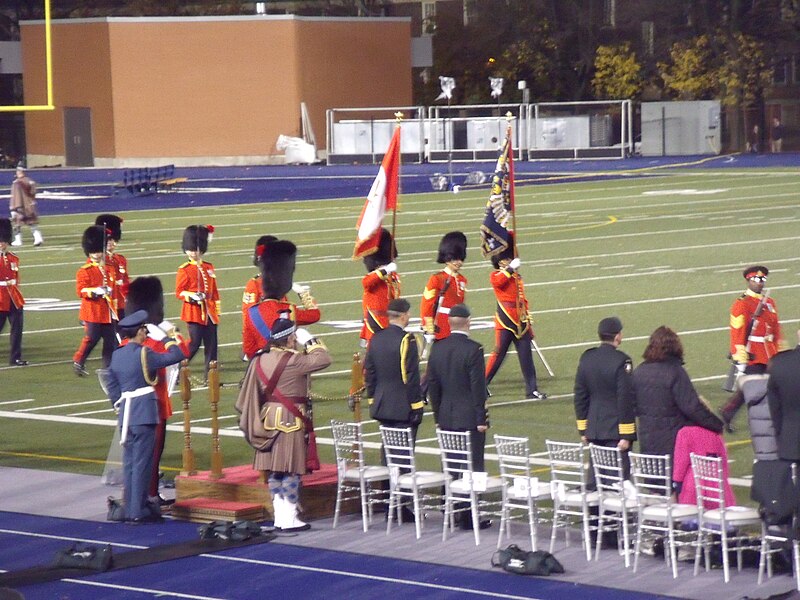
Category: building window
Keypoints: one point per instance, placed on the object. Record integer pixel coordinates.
(470, 11)
(610, 13)
(648, 37)
(780, 71)
(428, 18)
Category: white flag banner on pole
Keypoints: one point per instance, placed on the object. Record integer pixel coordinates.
(448, 84)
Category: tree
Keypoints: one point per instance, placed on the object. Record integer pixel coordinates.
(744, 72)
(617, 73)
(691, 73)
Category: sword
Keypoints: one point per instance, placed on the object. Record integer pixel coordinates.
(536, 349)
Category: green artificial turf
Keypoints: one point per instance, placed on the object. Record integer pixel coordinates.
(665, 249)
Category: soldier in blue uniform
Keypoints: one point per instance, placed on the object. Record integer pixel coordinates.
(129, 382)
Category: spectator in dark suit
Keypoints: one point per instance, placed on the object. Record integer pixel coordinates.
(391, 372)
(783, 395)
(457, 389)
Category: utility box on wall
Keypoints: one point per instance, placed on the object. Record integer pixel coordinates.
(681, 128)
(205, 90)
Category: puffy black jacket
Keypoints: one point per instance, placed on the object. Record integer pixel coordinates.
(666, 401)
(762, 432)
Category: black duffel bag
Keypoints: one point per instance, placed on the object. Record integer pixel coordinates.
(525, 562)
(80, 556)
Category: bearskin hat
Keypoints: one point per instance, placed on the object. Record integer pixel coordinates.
(277, 268)
(93, 240)
(452, 247)
(386, 252)
(196, 238)
(260, 245)
(112, 223)
(506, 254)
(146, 293)
(5, 231)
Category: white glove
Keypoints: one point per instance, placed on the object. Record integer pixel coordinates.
(155, 333)
(514, 264)
(429, 338)
(196, 297)
(300, 289)
(99, 292)
(118, 405)
(390, 268)
(168, 328)
(303, 336)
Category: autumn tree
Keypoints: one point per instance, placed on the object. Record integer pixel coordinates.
(617, 73)
(691, 72)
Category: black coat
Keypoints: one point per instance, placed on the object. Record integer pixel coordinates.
(457, 383)
(391, 375)
(783, 395)
(666, 401)
(604, 400)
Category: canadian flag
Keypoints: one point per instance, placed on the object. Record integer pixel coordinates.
(382, 197)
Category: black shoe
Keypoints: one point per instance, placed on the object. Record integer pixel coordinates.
(408, 515)
(536, 395)
(19, 363)
(79, 369)
(146, 520)
(466, 523)
(165, 501)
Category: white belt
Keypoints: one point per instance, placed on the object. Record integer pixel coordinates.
(8, 283)
(444, 310)
(127, 397)
(757, 338)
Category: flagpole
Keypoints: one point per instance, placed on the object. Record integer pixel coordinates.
(509, 154)
(450, 146)
(398, 117)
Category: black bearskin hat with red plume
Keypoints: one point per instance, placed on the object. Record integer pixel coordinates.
(386, 252)
(452, 247)
(277, 268)
(146, 293)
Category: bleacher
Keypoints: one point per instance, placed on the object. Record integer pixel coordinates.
(149, 180)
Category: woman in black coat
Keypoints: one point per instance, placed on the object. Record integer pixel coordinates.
(665, 397)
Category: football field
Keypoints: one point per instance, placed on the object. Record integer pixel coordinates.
(653, 248)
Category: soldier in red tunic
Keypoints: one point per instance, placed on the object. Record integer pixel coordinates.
(147, 293)
(381, 286)
(444, 289)
(11, 300)
(755, 333)
(277, 261)
(96, 283)
(512, 321)
(113, 225)
(196, 286)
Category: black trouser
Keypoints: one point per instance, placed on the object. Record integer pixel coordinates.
(591, 481)
(14, 316)
(207, 335)
(503, 339)
(736, 401)
(94, 333)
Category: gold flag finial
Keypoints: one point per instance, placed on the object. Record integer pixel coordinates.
(509, 116)
(398, 116)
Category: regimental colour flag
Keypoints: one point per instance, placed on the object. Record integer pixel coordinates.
(498, 218)
(382, 197)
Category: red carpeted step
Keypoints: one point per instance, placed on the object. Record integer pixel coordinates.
(203, 510)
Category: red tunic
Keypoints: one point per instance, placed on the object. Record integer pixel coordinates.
(271, 310)
(379, 289)
(198, 277)
(454, 294)
(123, 279)
(512, 306)
(88, 277)
(765, 334)
(9, 282)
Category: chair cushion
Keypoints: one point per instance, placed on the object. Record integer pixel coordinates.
(575, 499)
(423, 478)
(493, 484)
(660, 512)
(614, 502)
(733, 514)
(371, 473)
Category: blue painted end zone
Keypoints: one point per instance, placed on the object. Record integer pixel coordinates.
(251, 572)
(72, 191)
